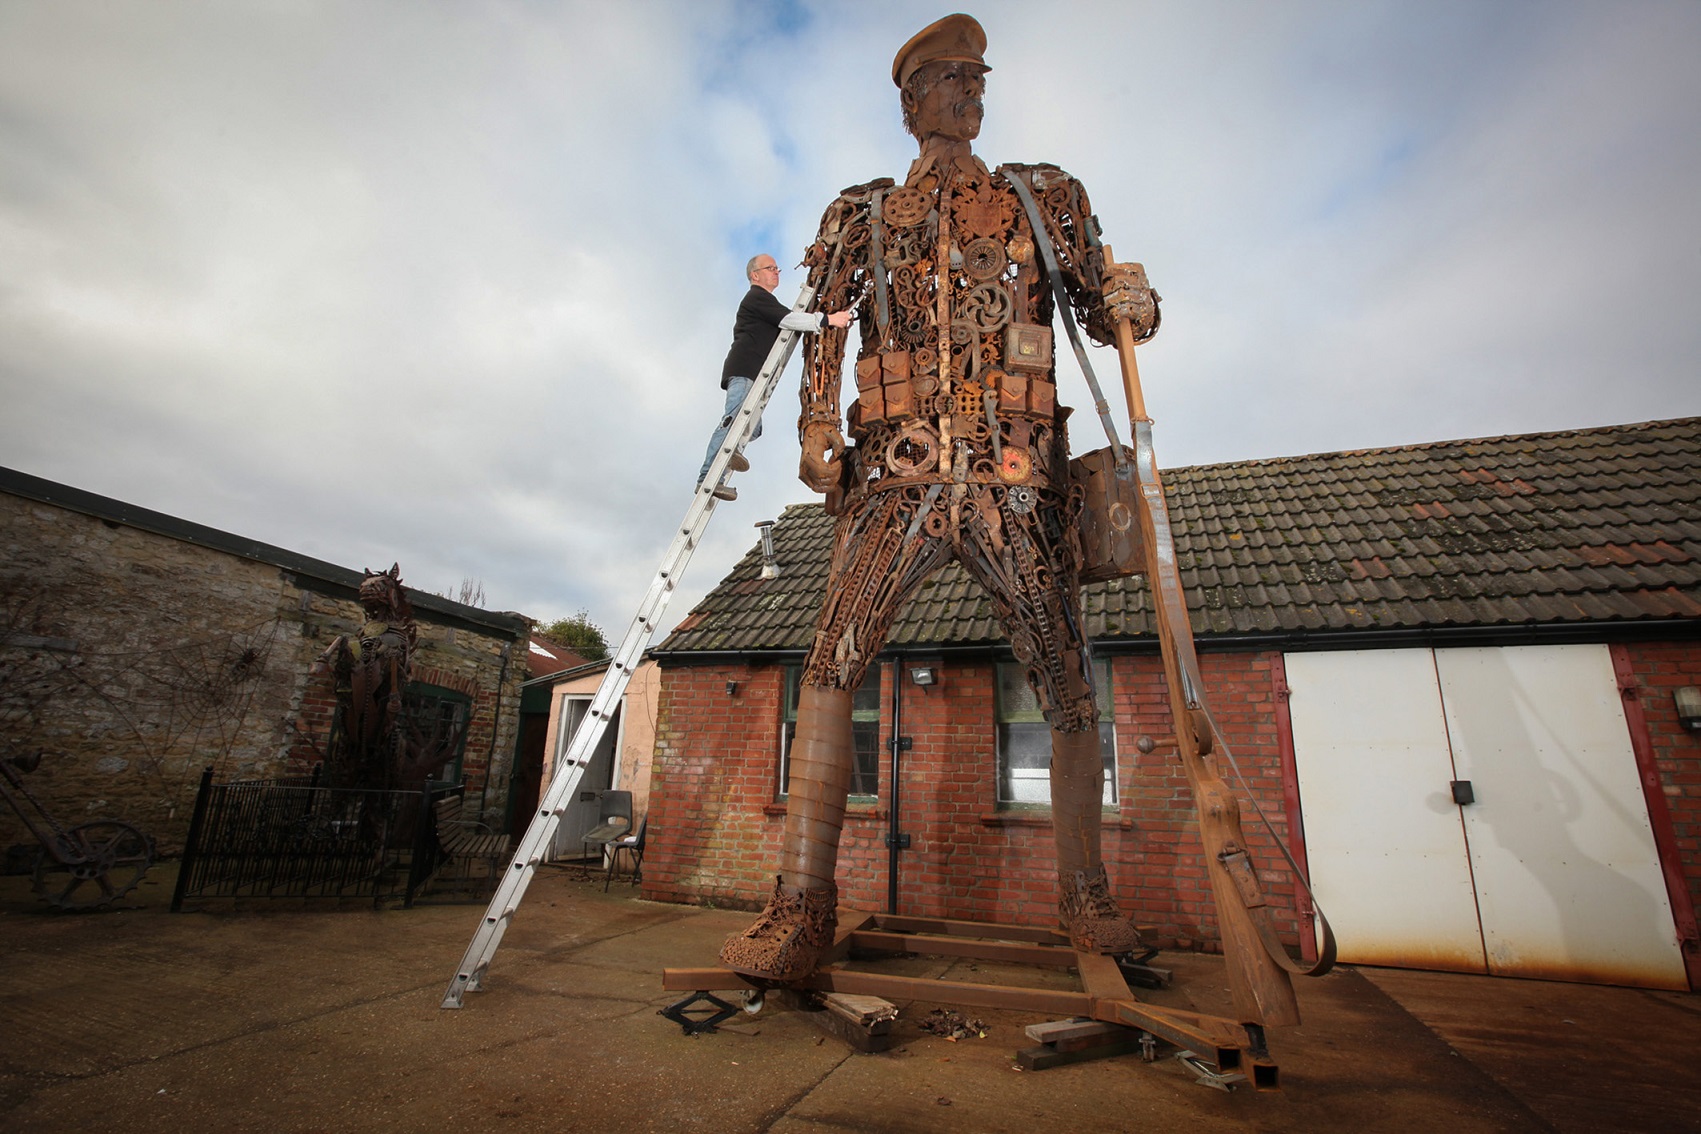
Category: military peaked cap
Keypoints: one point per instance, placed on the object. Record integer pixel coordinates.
(956, 37)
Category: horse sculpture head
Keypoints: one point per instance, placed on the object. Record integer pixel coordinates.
(383, 597)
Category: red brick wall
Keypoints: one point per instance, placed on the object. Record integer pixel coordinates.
(715, 824)
(715, 827)
(1660, 669)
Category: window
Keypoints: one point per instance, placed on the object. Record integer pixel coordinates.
(865, 732)
(435, 719)
(1024, 739)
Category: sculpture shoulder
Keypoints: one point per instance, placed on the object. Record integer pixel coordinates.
(1040, 175)
(851, 204)
(859, 194)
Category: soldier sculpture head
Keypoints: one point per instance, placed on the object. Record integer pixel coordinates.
(941, 73)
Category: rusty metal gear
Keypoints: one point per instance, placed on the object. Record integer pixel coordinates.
(984, 259)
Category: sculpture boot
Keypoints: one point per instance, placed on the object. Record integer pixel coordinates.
(1085, 907)
(798, 923)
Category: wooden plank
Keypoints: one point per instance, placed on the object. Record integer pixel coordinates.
(1213, 1038)
(947, 927)
(1057, 956)
(712, 979)
(1072, 1035)
(870, 1013)
(950, 992)
(1101, 977)
(1043, 1056)
(850, 922)
(862, 1022)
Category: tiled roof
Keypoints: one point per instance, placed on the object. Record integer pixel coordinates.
(1590, 526)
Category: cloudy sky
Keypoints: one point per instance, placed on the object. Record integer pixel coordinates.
(449, 283)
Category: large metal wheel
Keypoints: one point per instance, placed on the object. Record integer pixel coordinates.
(114, 857)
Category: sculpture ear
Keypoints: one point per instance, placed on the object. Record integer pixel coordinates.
(395, 572)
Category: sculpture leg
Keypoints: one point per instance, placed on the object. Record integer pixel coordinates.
(1084, 904)
(1029, 568)
(879, 557)
(798, 922)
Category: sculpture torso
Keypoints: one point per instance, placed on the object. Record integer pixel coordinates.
(955, 381)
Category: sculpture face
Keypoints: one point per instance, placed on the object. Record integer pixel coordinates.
(950, 106)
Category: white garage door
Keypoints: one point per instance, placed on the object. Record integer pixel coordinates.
(1550, 872)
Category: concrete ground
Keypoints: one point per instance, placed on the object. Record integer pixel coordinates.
(265, 1018)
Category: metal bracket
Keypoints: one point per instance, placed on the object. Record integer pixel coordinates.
(1209, 1076)
(705, 1019)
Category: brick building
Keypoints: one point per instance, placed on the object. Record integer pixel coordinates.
(137, 648)
(1513, 615)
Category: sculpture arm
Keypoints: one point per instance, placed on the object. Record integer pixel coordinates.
(836, 271)
(1099, 295)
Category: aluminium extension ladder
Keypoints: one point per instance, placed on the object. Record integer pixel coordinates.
(570, 768)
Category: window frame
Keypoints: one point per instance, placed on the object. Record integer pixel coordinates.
(867, 723)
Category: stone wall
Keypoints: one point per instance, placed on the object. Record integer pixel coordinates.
(132, 659)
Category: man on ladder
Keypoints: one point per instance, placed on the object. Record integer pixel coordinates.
(759, 322)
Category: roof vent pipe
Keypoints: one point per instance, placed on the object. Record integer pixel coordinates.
(770, 568)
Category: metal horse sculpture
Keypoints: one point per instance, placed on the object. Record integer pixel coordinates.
(371, 671)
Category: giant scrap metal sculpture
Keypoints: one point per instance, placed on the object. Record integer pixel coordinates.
(960, 451)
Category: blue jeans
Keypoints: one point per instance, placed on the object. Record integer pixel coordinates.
(736, 389)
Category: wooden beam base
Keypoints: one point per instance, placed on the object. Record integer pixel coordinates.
(1105, 1018)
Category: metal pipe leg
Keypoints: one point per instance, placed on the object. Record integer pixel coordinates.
(817, 787)
(798, 922)
(1084, 903)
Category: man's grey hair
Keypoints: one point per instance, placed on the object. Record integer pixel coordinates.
(750, 264)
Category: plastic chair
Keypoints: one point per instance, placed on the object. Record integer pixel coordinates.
(614, 809)
(632, 844)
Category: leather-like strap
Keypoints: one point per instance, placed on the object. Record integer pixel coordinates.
(1042, 240)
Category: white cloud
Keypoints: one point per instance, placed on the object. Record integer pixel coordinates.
(450, 283)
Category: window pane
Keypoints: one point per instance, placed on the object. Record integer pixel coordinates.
(865, 731)
(866, 699)
(1016, 701)
(1024, 739)
(865, 765)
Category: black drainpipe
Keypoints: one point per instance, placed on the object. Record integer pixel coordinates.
(896, 840)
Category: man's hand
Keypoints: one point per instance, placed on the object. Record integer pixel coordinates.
(841, 320)
(823, 449)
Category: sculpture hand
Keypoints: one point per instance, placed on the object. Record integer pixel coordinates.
(823, 451)
(1128, 296)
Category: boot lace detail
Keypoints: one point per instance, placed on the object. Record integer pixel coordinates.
(1090, 915)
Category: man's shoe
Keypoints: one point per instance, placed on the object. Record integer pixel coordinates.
(738, 463)
(725, 493)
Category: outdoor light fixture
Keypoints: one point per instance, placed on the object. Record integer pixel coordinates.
(732, 689)
(924, 675)
(1688, 707)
